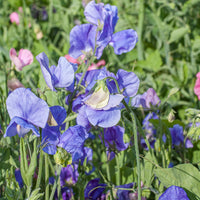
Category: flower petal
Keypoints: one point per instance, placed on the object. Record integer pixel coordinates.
(26, 105)
(103, 118)
(124, 41)
(84, 43)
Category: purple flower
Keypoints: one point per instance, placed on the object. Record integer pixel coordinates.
(101, 105)
(51, 134)
(124, 194)
(146, 100)
(69, 175)
(94, 189)
(113, 138)
(103, 19)
(177, 135)
(61, 76)
(72, 140)
(82, 38)
(149, 130)
(25, 110)
(18, 178)
(175, 193)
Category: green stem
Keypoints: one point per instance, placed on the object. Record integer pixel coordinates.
(140, 30)
(118, 173)
(55, 183)
(136, 147)
(26, 23)
(40, 170)
(46, 177)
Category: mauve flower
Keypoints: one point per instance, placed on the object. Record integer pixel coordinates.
(69, 175)
(14, 83)
(26, 111)
(197, 86)
(14, 18)
(146, 100)
(175, 193)
(24, 58)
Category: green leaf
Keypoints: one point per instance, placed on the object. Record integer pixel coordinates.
(148, 169)
(194, 133)
(184, 175)
(153, 61)
(178, 33)
(35, 195)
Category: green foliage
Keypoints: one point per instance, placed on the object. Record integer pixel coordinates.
(184, 175)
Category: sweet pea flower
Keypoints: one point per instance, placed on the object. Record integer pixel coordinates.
(18, 178)
(69, 175)
(14, 18)
(94, 189)
(197, 86)
(77, 61)
(103, 19)
(113, 138)
(24, 58)
(61, 76)
(14, 83)
(175, 193)
(26, 111)
(100, 105)
(146, 100)
(177, 135)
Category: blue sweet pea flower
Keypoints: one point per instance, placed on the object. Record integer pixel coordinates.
(103, 19)
(177, 135)
(113, 138)
(175, 193)
(26, 111)
(94, 189)
(18, 178)
(69, 175)
(82, 39)
(61, 76)
(72, 140)
(100, 105)
(124, 194)
(51, 134)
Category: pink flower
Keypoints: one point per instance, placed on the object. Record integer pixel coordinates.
(96, 66)
(77, 61)
(197, 86)
(24, 58)
(14, 18)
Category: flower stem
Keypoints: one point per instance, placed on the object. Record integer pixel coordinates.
(46, 177)
(136, 147)
(40, 170)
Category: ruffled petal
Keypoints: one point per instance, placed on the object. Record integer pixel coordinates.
(84, 43)
(21, 127)
(124, 41)
(128, 81)
(175, 193)
(26, 105)
(73, 140)
(44, 64)
(103, 118)
(64, 72)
